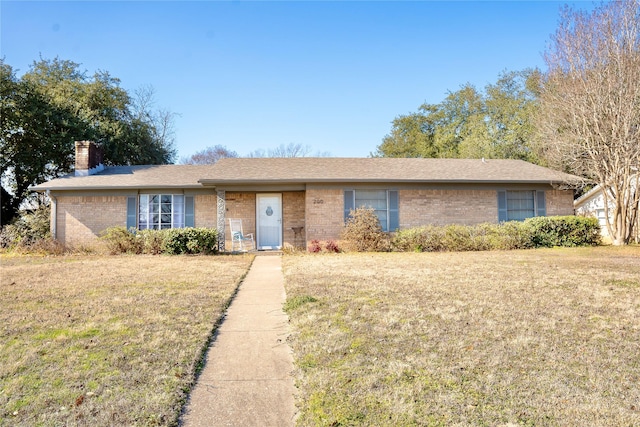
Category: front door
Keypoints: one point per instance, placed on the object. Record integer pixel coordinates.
(269, 220)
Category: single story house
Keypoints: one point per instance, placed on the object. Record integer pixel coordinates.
(591, 203)
(296, 200)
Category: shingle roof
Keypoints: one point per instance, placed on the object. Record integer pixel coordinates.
(331, 169)
(311, 170)
(125, 177)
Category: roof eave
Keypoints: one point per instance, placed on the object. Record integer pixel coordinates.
(115, 187)
(213, 182)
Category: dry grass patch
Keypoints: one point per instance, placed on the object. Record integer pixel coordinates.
(538, 337)
(94, 340)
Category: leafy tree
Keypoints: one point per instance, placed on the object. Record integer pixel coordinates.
(511, 105)
(411, 135)
(590, 105)
(209, 156)
(496, 123)
(54, 104)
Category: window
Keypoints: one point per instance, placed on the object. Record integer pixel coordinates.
(383, 202)
(160, 211)
(518, 205)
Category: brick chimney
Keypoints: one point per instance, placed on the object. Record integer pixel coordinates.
(89, 157)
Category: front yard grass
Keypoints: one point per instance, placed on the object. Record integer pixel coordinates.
(97, 341)
(537, 337)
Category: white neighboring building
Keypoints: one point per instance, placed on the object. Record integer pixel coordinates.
(592, 204)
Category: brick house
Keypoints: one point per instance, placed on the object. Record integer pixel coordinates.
(296, 200)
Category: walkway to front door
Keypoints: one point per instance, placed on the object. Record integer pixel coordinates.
(247, 377)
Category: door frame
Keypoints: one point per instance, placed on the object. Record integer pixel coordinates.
(280, 237)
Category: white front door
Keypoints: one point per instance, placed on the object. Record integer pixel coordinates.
(269, 220)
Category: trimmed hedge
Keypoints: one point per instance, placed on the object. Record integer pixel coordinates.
(173, 241)
(531, 233)
(569, 231)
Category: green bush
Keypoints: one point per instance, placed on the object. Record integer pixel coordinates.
(173, 241)
(190, 241)
(363, 232)
(567, 231)
(532, 233)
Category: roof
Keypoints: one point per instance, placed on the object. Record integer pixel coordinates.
(331, 169)
(595, 193)
(302, 170)
(127, 177)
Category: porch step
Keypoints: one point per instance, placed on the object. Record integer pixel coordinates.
(269, 253)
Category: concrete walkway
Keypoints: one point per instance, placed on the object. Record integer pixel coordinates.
(246, 380)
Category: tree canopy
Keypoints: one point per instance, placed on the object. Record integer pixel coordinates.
(589, 122)
(56, 103)
(468, 123)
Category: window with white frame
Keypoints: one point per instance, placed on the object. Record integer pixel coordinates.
(383, 202)
(161, 211)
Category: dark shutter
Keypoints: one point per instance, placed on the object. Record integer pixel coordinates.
(394, 217)
(132, 212)
(349, 203)
(189, 215)
(541, 204)
(502, 206)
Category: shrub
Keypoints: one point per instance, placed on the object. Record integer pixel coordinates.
(564, 231)
(317, 246)
(363, 232)
(532, 233)
(30, 234)
(191, 241)
(29, 228)
(331, 246)
(171, 241)
(152, 241)
(121, 241)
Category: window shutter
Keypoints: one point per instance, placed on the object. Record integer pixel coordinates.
(349, 203)
(131, 212)
(541, 204)
(189, 212)
(394, 217)
(502, 206)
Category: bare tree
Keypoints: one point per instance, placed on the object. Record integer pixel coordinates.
(161, 122)
(209, 156)
(589, 120)
(291, 150)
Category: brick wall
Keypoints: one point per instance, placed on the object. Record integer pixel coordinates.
(325, 213)
(206, 210)
(242, 206)
(559, 202)
(293, 210)
(83, 218)
(442, 207)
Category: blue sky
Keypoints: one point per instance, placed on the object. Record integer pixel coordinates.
(255, 75)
